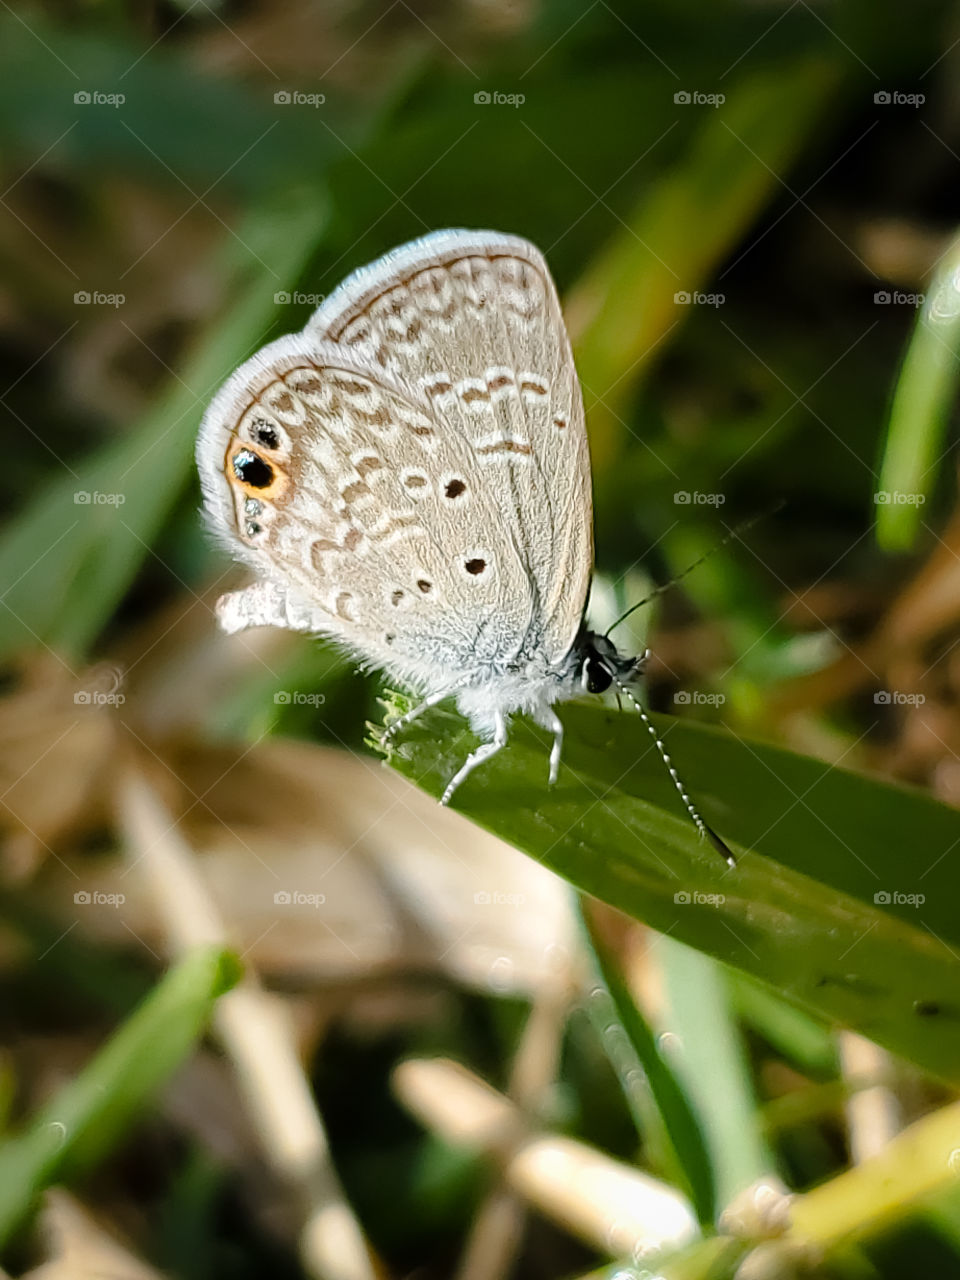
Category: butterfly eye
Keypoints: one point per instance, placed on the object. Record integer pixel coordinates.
(252, 470)
(596, 676)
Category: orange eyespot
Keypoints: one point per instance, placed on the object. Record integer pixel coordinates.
(255, 475)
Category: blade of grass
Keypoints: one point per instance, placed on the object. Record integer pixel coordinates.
(77, 1127)
(824, 902)
(656, 1098)
(625, 302)
(920, 411)
(919, 1162)
(793, 1033)
(711, 1061)
(917, 1168)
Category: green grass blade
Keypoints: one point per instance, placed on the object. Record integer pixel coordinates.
(712, 1064)
(84, 1120)
(630, 1043)
(799, 1038)
(817, 846)
(920, 411)
(625, 303)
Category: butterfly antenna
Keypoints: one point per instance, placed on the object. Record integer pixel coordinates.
(735, 532)
(705, 831)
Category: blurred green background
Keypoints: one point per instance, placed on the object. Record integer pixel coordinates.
(751, 212)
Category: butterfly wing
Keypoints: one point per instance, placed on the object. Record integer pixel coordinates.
(361, 516)
(469, 322)
(410, 474)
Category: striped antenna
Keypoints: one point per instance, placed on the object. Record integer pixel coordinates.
(705, 831)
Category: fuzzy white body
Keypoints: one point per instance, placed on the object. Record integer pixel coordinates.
(522, 693)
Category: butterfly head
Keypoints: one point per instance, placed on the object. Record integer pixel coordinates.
(601, 665)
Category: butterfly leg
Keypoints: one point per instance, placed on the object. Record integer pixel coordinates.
(408, 717)
(548, 718)
(483, 752)
(553, 722)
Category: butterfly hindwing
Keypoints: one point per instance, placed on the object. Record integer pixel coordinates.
(410, 474)
(370, 521)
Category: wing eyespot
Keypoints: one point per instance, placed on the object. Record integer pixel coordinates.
(266, 433)
(251, 470)
(255, 478)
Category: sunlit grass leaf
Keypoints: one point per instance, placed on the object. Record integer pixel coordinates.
(923, 398)
(654, 1094)
(625, 302)
(824, 903)
(711, 1062)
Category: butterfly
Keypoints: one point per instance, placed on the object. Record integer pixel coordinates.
(409, 476)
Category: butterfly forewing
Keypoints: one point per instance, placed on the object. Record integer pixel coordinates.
(471, 323)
